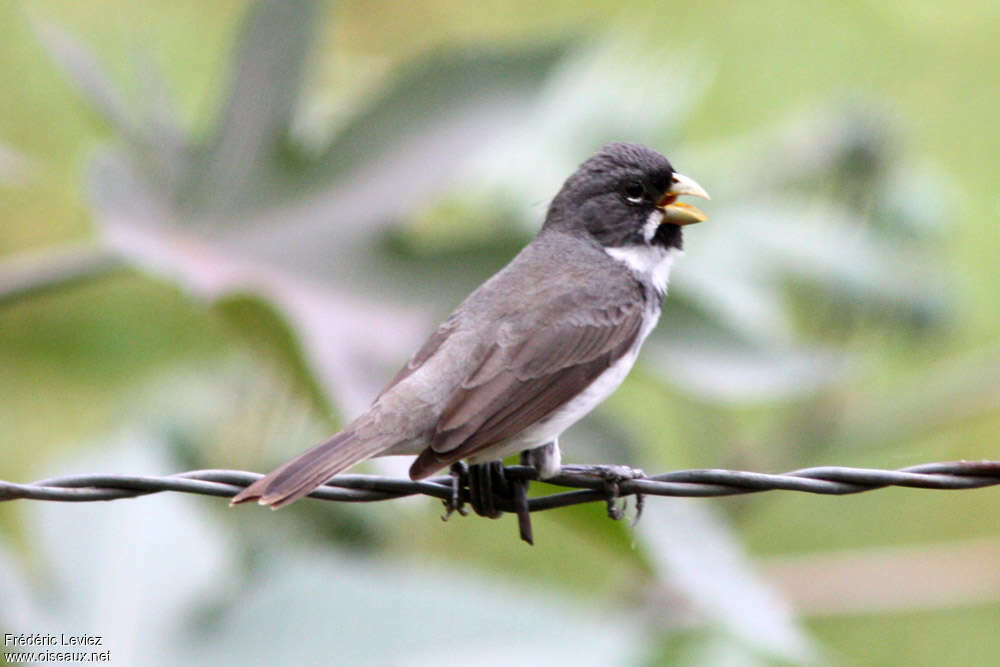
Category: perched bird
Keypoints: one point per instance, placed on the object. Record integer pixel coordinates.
(535, 347)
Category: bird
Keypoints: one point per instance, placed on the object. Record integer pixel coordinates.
(535, 347)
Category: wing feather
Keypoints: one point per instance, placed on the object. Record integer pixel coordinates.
(525, 376)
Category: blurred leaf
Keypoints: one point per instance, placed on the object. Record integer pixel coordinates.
(386, 612)
(258, 323)
(695, 553)
(153, 140)
(402, 149)
(53, 269)
(86, 75)
(953, 391)
(104, 564)
(238, 161)
(738, 374)
(821, 200)
(440, 108)
(591, 522)
(336, 330)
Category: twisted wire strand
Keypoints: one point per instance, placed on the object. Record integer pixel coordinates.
(587, 487)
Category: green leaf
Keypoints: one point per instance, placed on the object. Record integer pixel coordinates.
(86, 75)
(237, 164)
(257, 322)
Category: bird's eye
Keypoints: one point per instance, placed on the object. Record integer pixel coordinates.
(635, 193)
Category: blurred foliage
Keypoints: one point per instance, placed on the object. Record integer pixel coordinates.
(302, 210)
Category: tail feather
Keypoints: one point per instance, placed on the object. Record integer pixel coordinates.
(303, 474)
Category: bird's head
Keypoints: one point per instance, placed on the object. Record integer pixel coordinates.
(626, 196)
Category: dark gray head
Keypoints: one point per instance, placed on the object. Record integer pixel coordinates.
(625, 195)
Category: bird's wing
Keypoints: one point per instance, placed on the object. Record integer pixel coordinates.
(530, 370)
(426, 351)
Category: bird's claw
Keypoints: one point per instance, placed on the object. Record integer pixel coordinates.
(613, 476)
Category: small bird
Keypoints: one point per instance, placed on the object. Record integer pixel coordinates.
(535, 347)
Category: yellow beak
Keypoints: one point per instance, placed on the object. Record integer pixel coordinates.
(679, 213)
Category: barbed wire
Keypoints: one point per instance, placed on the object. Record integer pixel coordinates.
(589, 484)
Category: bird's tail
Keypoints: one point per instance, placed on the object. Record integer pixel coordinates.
(301, 475)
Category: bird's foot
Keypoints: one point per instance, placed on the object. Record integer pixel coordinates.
(613, 476)
(546, 459)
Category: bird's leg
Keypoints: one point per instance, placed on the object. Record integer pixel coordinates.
(459, 472)
(613, 476)
(546, 459)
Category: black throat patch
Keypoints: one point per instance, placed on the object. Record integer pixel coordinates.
(669, 236)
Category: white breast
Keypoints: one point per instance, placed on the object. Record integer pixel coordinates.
(647, 262)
